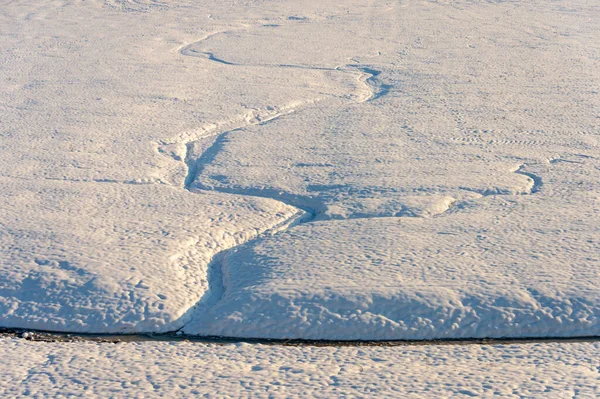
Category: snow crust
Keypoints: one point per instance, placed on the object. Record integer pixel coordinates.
(162, 369)
(495, 267)
(103, 257)
(356, 170)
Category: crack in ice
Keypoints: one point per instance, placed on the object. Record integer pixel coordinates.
(307, 208)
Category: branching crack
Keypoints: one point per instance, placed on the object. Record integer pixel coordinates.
(307, 209)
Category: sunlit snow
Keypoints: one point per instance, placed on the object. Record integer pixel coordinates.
(357, 170)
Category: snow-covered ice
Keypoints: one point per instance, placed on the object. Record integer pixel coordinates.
(178, 370)
(410, 169)
(464, 130)
(105, 257)
(497, 266)
(442, 156)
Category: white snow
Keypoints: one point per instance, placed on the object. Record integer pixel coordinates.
(497, 266)
(173, 370)
(106, 257)
(301, 169)
(442, 138)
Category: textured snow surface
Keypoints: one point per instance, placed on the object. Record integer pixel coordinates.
(301, 169)
(92, 257)
(179, 370)
(499, 266)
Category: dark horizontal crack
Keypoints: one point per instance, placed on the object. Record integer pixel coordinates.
(49, 336)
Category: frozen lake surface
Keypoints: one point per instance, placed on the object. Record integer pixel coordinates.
(180, 370)
(357, 170)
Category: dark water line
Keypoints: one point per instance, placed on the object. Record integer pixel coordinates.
(50, 336)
